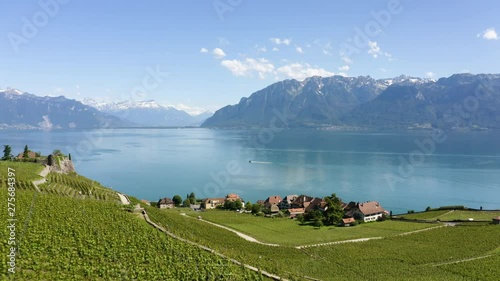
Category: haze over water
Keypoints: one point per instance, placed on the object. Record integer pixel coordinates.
(358, 166)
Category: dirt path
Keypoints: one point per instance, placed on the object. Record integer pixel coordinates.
(462, 260)
(43, 174)
(339, 242)
(255, 269)
(242, 235)
(123, 199)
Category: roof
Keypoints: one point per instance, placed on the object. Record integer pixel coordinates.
(302, 199)
(233, 196)
(290, 198)
(348, 220)
(370, 207)
(165, 200)
(296, 211)
(316, 202)
(212, 200)
(274, 199)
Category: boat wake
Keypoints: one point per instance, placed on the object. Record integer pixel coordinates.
(259, 162)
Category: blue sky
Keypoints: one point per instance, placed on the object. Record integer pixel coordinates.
(207, 54)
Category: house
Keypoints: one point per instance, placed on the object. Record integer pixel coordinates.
(31, 154)
(261, 202)
(316, 203)
(348, 221)
(348, 206)
(233, 197)
(302, 201)
(286, 203)
(165, 203)
(272, 201)
(367, 211)
(274, 208)
(212, 203)
(292, 213)
(496, 220)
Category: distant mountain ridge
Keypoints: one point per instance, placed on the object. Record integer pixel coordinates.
(401, 102)
(26, 111)
(149, 113)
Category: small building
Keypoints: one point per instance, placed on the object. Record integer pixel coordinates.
(292, 213)
(274, 208)
(195, 207)
(316, 204)
(348, 221)
(286, 203)
(302, 201)
(272, 201)
(31, 154)
(496, 220)
(367, 211)
(166, 203)
(233, 197)
(212, 203)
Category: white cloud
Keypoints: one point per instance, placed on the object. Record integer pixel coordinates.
(279, 41)
(222, 41)
(382, 69)
(374, 49)
(301, 71)
(344, 68)
(347, 60)
(275, 49)
(299, 50)
(203, 50)
(218, 53)
(430, 74)
(248, 67)
(489, 34)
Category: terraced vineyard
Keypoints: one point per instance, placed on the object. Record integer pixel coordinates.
(417, 256)
(74, 185)
(70, 239)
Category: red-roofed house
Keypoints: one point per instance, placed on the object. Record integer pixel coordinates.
(272, 201)
(302, 201)
(316, 203)
(347, 221)
(166, 203)
(233, 197)
(294, 212)
(212, 203)
(367, 211)
(286, 203)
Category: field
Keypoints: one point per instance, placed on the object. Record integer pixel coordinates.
(418, 256)
(287, 232)
(72, 239)
(25, 171)
(450, 215)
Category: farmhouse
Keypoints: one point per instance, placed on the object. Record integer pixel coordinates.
(292, 213)
(302, 201)
(316, 204)
(286, 203)
(212, 203)
(165, 203)
(496, 220)
(272, 201)
(367, 211)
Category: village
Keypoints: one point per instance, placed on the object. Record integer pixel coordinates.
(300, 207)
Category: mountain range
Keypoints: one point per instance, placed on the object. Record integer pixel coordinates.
(22, 110)
(461, 101)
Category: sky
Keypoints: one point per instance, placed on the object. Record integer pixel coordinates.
(205, 54)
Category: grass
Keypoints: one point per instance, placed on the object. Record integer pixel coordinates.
(287, 232)
(25, 171)
(408, 257)
(450, 215)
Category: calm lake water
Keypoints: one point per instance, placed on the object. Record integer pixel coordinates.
(152, 163)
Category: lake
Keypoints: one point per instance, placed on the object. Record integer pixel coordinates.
(401, 170)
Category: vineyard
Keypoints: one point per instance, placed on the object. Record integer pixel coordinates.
(70, 239)
(74, 185)
(450, 215)
(416, 256)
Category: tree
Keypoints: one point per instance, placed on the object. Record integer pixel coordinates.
(318, 223)
(26, 152)
(69, 156)
(57, 152)
(300, 218)
(50, 161)
(7, 152)
(334, 212)
(186, 202)
(238, 204)
(256, 208)
(248, 206)
(192, 198)
(177, 200)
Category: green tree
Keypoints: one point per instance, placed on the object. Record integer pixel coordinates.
(177, 200)
(69, 156)
(238, 204)
(256, 208)
(248, 206)
(26, 152)
(300, 218)
(318, 223)
(50, 160)
(57, 152)
(334, 211)
(186, 202)
(192, 198)
(7, 152)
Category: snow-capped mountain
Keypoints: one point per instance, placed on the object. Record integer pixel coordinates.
(26, 111)
(149, 113)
